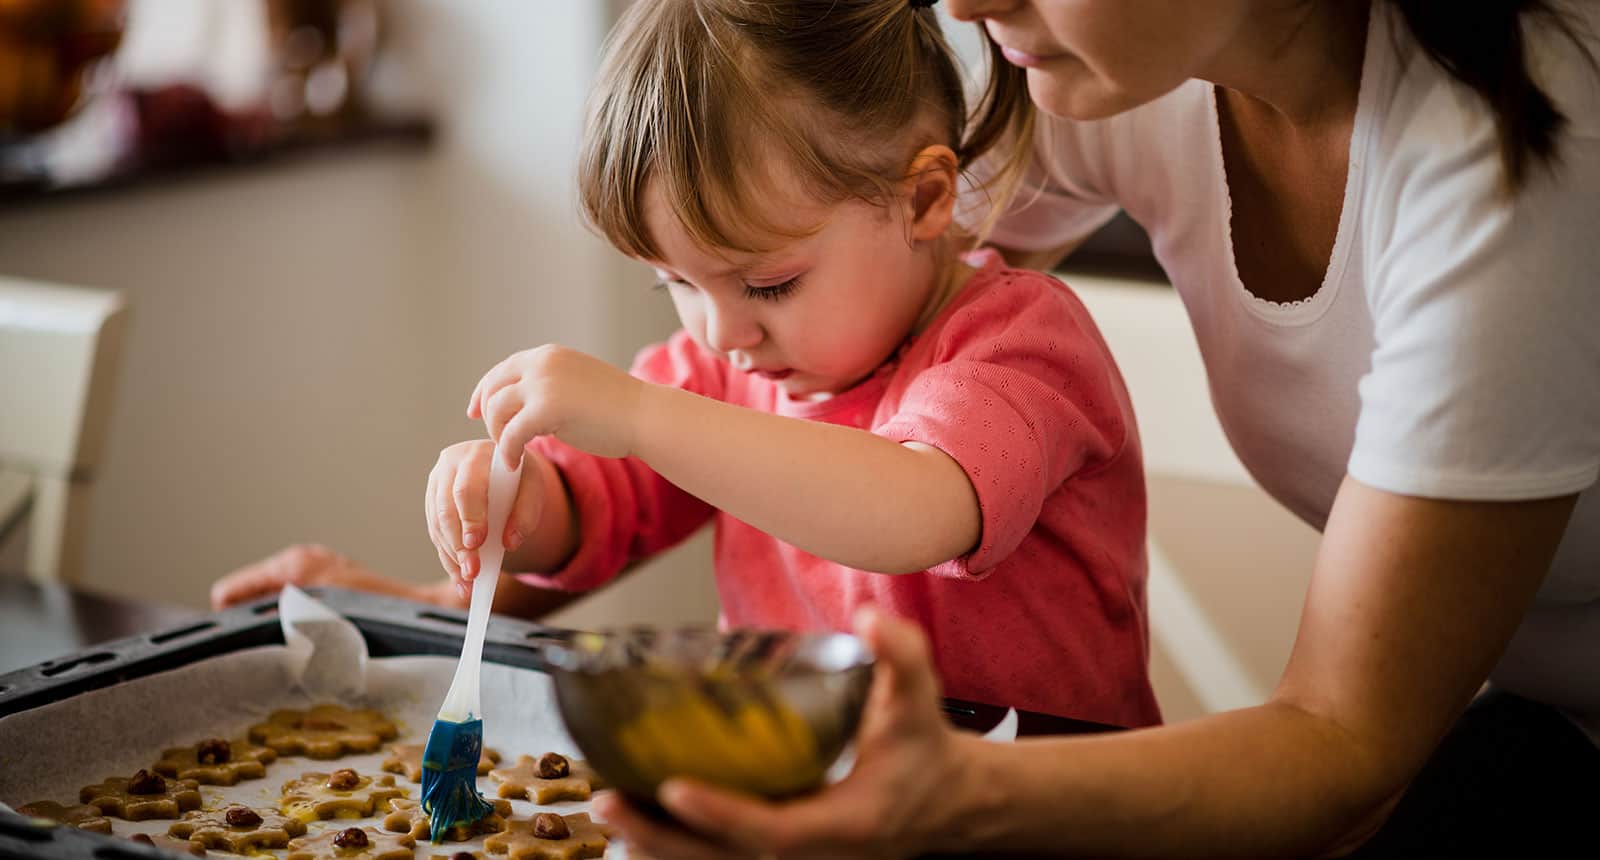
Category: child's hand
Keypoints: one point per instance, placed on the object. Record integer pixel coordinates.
(308, 565)
(555, 391)
(456, 505)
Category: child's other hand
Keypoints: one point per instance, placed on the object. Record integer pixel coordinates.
(305, 566)
(555, 391)
(456, 506)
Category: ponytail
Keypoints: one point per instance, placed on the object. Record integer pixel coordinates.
(1481, 44)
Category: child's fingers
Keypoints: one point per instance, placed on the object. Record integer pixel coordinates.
(499, 377)
(528, 506)
(470, 494)
(500, 409)
(514, 437)
(449, 525)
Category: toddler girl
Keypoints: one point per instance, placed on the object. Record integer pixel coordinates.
(864, 416)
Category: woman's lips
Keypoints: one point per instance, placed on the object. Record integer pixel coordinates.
(1022, 58)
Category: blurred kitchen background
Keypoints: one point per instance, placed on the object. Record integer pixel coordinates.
(326, 218)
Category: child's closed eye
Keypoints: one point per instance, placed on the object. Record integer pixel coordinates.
(772, 292)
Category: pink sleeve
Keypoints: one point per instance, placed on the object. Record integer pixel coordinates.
(625, 510)
(1022, 394)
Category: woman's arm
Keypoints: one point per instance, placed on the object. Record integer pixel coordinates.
(1411, 603)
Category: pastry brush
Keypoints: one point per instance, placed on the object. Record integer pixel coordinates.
(450, 758)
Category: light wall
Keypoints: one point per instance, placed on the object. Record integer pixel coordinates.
(303, 337)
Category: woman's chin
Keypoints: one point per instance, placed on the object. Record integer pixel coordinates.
(1070, 96)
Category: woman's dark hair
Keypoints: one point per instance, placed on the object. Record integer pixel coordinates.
(1481, 43)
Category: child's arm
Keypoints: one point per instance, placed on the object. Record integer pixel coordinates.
(837, 492)
(840, 493)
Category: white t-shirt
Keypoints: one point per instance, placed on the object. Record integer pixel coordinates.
(1453, 348)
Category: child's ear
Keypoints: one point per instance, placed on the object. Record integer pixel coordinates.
(930, 192)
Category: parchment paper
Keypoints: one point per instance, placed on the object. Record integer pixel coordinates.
(50, 752)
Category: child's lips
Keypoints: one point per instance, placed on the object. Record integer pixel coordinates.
(774, 375)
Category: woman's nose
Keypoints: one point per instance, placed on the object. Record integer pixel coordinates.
(729, 329)
(968, 10)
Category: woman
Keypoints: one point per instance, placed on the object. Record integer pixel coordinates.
(1384, 221)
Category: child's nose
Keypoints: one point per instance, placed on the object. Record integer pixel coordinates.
(728, 329)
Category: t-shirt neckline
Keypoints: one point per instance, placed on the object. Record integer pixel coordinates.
(1310, 309)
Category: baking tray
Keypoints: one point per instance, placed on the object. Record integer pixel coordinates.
(390, 626)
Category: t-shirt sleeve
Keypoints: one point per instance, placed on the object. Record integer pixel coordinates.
(625, 510)
(1486, 316)
(1063, 196)
(1023, 395)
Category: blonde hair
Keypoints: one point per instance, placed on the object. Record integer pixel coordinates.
(697, 95)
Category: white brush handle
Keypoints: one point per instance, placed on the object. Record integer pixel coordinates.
(461, 703)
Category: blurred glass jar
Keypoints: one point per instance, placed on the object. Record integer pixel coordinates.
(48, 51)
(322, 51)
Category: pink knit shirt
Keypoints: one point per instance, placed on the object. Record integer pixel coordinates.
(1013, 381)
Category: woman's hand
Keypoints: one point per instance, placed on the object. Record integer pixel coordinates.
(555, 391)
(308, 565)
(893, 804)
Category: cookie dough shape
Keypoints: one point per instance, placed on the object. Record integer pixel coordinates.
(238, 759)
(83, 817)
(324, 731)
(406, 816)
(524, 781)
(212, 830)
(167, 843)
(407, 759)
(380, 846)
(309, 798)
(587, 839)
(113, 798)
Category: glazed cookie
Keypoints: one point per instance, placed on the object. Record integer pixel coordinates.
(84, 817)
(352, 843)
(547, 779)
(216, 761)
(407, 759)
(343, 793)
(548, 836)
(167, 843)
(325, 731)
(238, 829)
(146, 795)
(406, 816)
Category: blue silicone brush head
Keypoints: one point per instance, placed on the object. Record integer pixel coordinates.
(450, 776)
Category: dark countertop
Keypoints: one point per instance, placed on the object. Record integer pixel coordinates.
(39, 622)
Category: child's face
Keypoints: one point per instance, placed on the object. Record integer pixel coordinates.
(815, 315)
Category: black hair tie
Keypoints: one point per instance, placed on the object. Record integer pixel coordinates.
(922, 4)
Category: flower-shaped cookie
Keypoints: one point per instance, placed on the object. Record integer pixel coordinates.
(548, 836)
(353, 843)
(317, 796)
(324, 731)
(406, 816)
(547, 779)
(167, 843)
(238, 829)
(146, 795)
(407, 759)
(84, 817)
(216, 761)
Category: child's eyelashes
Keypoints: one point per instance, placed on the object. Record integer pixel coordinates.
(772, 292)
(764, 293)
